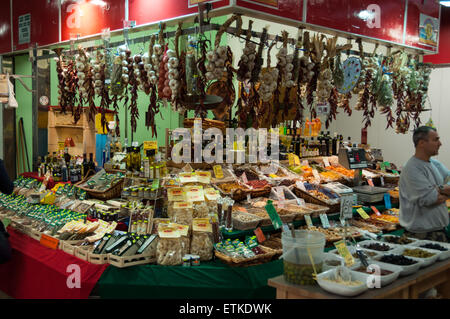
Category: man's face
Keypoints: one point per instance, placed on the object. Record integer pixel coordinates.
(432, 144)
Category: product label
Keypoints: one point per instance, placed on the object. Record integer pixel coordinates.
(186, 205)
(343, 251)
(370, 182)
(212, 194)
(176, 194)
(182, 229)
(259, 235)
(188, 178)
(326, 161)
(296, 160)
(204, 177)
(165, 231)
(201, 224)
(218, 172)
(362, 213)
(194, 193)
(324, 220)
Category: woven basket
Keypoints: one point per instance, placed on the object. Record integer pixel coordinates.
(245, 225)
(332, 208)
(113, 192)
(245, 262)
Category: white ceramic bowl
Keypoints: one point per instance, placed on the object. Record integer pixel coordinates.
(443, 254)
(386, 279)
(407, 269)
(363, 243)
(341, 289)
(426, 261)
(413, 240)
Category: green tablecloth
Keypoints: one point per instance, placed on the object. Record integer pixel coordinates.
(210, 280)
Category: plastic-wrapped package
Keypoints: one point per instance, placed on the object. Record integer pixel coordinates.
(202, 243)
(169, 249)
(201, 210)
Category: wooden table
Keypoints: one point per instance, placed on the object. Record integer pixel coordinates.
(408, 287)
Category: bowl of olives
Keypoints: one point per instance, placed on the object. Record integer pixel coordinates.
(428, 256)
(409, 264)
(442, 248)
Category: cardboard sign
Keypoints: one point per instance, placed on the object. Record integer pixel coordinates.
(49, 242)
(343, 251)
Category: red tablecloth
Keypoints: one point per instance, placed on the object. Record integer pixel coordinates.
(38, 272)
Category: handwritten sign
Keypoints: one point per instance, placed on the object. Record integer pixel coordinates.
(150, 145)
(259, 235)
(324, 220)
(362, 213)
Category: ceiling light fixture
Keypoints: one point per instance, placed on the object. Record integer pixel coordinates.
(445, 3)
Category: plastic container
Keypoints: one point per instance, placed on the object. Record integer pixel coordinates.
(302, 255)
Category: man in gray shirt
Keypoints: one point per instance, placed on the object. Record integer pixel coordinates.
(423, 212)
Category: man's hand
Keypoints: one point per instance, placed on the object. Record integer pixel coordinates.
(441, 199)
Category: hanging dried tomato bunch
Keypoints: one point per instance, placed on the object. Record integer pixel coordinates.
(153, 107)
(62, 73)
(133, 87)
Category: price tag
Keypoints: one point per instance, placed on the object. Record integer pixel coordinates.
(150, 145)
(370, 182)
(274, 217)
(296, 160)
(244, 178)
(375, 210)
(305, 163)
(218, 171)
(300, 185)
(343, 251)
(259, 235)
(387, 201)
(362, 213)
(49, 242)
(346, 210)
(308, 221)
(326, 161)
(382, 180)
(324, 220)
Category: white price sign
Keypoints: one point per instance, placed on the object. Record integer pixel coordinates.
(346, 206)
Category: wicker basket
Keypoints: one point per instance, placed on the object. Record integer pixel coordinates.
(113, 192)
(245, 225)
(332, 208)
(245, 262)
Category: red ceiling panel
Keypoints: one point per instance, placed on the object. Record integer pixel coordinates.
(5, 28)
(151, 11)
(330, 14)
(90, 17)
(44, 27)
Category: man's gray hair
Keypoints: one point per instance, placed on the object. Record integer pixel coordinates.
(421, 133)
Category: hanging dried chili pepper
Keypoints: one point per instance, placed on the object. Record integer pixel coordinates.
(134, 111)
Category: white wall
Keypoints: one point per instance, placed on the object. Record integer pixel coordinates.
(397, 148)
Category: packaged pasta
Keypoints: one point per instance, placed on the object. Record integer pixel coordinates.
(169, 249)
(184, 236)
(182, 213)
(202, 243)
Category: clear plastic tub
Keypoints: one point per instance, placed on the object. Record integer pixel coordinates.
(302, 255)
